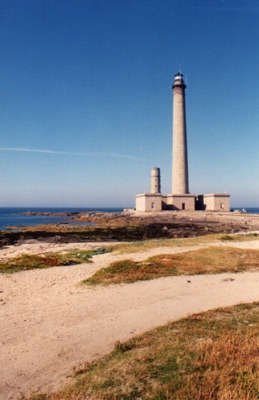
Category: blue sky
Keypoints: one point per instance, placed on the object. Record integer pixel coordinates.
(86, 98)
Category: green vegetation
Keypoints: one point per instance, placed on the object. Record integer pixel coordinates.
(211, 260)
(213, 355)
(29, 261)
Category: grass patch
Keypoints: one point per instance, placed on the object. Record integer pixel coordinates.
(211, 260)
(213, 355)
(29, 261)
(141, 246)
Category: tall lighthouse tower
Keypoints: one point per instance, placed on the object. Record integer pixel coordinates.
(180, 198)
(180, 159)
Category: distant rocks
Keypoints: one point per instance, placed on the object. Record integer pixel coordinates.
(49, 214)
(5, 242)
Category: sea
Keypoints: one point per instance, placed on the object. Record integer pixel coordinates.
(248, 210)
(13, 216)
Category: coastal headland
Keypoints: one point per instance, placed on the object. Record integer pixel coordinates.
(54, 323)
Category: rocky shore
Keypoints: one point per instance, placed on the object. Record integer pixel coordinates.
(130, 225)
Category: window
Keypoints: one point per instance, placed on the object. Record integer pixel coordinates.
(183, 206)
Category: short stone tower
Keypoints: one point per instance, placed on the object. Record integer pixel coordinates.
(180, 182)
(155, 180)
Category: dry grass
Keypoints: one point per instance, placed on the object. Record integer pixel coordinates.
(213, 355)
(141, 246)
(210, 260)
(34, 261)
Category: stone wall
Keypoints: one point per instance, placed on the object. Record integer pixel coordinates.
(179, 202)
(148, 202)
(213, 202)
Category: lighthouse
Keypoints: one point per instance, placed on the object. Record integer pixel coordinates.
(180, 182)
(180, 199)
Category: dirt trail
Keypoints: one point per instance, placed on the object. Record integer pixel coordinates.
(50, 323)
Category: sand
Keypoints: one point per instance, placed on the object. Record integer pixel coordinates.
(50, 323)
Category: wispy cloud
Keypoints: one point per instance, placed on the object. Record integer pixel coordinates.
(67, 153)
(24, 150)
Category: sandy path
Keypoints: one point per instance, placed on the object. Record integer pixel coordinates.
(49, 323)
